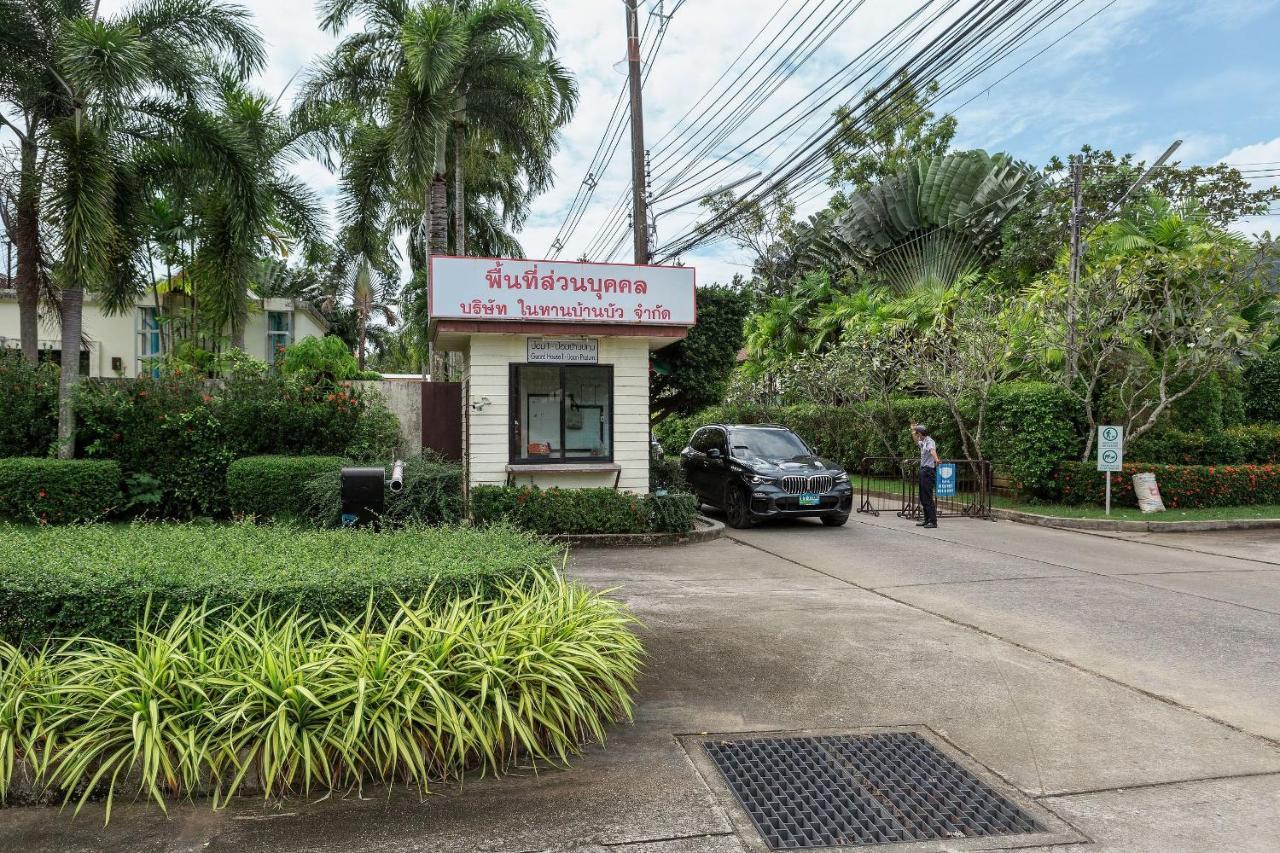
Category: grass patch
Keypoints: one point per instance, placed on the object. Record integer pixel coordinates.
(417, 692)
(98, 579)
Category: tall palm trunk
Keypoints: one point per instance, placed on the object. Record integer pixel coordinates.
(439, 237)
(363, 319)
(72, 328)
(27, 226)
(459, 194)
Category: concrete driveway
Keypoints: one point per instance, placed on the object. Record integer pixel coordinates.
(1129, 685)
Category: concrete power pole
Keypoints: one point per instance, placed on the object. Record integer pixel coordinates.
(639, 183)
(1073, 287)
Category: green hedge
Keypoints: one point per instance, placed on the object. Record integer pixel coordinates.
(58, 491)
(432, 495)
(1029, 426)
(581, 511)
(275, 486)
(1250, 444)
(1181, 486)
(28, 406)
(97, 579)
(184, 432)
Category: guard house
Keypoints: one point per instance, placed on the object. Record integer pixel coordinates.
(555, 379)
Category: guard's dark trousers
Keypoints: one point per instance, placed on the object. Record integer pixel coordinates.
(930, 508)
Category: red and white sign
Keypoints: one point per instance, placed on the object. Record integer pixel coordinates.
(560, 291)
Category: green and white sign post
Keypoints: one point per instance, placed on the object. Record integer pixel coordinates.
(1110, 454)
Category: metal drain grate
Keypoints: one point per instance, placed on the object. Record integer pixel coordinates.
(833, 791)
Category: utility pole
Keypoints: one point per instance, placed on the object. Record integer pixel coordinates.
(639, 184)
(1073, 286)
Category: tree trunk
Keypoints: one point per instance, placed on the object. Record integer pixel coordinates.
(439, 236)
(237, 334)
(459, 196)
(72, 326)
(27, 280)
(363, 320)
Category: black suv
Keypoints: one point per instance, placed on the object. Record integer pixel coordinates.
(764, 471)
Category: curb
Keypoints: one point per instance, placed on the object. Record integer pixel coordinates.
(704, 530)
(1118, 526)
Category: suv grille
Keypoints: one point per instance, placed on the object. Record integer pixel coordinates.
(819, 483)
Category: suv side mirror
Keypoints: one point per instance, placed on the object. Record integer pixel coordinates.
(713, 453)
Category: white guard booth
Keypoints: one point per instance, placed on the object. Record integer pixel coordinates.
(555, 380)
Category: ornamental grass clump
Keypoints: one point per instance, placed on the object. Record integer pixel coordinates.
(287, 703)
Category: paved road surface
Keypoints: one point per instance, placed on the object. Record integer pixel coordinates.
(1129, 684)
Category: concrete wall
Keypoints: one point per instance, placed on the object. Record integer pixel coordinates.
(404, 398)
(486, 377)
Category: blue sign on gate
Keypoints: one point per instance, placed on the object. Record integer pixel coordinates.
(946, 480)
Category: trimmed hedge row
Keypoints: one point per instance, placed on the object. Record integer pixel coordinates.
(275, 486)
(1028, 427)
(1257, 444)
(432, 495)
(1181, 486)
(582, 511)
(58, 491)
(100, 579)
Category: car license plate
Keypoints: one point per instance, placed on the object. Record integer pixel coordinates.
(810, 499)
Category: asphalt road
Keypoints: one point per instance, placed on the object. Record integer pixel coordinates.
(1128, 685)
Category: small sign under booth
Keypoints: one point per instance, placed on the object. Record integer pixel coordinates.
(1110, 454)
(555, 364)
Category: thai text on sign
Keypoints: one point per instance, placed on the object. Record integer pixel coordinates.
(553, 351)
(507, 289)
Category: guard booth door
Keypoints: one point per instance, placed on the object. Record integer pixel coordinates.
(442, 418)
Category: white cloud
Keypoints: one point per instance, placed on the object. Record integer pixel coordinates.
(1251, 157)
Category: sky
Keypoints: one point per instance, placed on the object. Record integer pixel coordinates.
(1130, 75)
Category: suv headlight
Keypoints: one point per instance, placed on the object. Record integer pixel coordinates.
(842, 477)
(757, 480)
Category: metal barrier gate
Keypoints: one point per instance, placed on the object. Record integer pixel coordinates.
(892, 485)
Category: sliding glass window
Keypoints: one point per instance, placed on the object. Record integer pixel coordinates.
(561, 413)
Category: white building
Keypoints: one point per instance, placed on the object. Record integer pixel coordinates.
(122, 344)
(555, 388)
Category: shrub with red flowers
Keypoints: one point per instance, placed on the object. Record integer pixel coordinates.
(58, 491)
(28, 406)
(1181, 486)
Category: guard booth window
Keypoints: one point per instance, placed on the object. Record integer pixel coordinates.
(561, 413)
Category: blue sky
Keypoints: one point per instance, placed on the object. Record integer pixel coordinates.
(1133, 78)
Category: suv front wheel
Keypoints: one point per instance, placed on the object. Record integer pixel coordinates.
(737, 507)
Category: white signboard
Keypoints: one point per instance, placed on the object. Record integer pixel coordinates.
(1110, 448)
(555, 351)
(560, 291)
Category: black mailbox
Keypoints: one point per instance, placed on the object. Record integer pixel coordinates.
(363, 501)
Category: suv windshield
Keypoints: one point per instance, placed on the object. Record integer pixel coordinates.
(768, 444)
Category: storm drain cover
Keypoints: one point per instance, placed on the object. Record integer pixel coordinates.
(834, 791)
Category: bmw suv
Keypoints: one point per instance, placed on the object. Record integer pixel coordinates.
(764, 471)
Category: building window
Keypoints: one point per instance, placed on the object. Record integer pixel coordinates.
(149, 341)
(561, 413)
(279, 333)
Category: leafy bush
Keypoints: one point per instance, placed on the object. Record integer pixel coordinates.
(1262, 388)
(319, 360)
(581, 511)
(1249, 444)
(672, 513)
(184, 432)
(1181, 486)
(97, 579)
(1031, 426)
(275, 486)
(58, 491)
(409, 692)
(432, 495)
(667, 474)
(28, 406)
(694, 372)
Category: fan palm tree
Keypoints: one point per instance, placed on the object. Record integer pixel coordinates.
(109, 104)
(933, 223)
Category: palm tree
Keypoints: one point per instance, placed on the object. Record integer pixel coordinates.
(354, 285)
(935, 222)
(110, 104)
